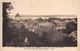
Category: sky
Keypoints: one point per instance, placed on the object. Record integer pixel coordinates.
(45, 8)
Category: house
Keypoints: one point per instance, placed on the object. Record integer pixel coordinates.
(58, 23)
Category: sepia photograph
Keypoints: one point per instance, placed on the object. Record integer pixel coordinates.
(36, 30)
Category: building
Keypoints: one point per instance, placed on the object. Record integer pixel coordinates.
(17, 16)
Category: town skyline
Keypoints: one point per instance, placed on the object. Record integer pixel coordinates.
(43, 16)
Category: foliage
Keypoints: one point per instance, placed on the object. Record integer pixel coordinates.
(6, 32)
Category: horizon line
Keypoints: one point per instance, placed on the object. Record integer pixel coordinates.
(46, 15)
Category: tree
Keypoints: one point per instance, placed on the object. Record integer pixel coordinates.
(40, 19)
(9, 7)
